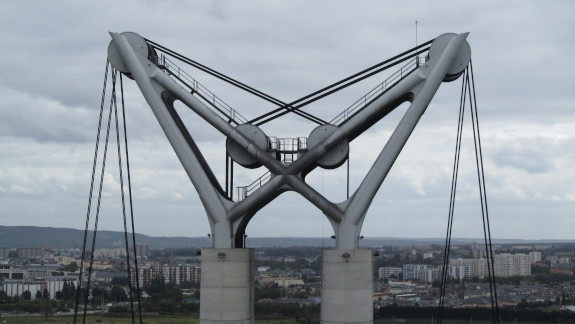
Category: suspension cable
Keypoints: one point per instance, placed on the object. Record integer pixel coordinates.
(120, 166)
(78, 288)
(229, 80)
(215, 73)
(131, 204)
(483, 197)
(90, 268)
(285, 108)
(339, 85)
(468, 88)
(455, 173)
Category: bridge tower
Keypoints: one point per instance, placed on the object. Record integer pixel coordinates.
(227, 287)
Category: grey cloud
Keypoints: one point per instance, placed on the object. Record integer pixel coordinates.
(53, 66)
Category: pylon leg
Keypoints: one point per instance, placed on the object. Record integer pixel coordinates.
(227, 286)
(347, 286)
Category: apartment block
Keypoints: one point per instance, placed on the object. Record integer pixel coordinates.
(410, 270)
(170, 273)
(387, 272)
(507, 265)
(534, 257)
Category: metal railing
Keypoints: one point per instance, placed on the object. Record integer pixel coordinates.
(245, 191)
(377, 91)
(203, 92)
(287, 149)
(287, 144)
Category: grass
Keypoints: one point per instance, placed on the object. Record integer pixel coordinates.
(186, 319)
(120, 319)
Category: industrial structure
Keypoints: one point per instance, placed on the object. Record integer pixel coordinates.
(227, 268)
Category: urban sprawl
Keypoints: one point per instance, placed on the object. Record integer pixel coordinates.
(530, 274)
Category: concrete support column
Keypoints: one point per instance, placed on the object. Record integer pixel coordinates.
(347, 286)
(227, 286)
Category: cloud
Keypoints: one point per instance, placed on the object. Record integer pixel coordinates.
(51, 86)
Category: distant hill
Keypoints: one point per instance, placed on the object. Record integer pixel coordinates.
(34, 236)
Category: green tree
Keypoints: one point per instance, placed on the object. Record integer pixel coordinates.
(3, 296)
(156, 288)
(46, 308)
(274, 292)
(68, 290)
(38, 294)
(27, 295)
(118, 293)
(72, 267)
(175, 294)
(122, 281)
(99, 293)
(45, 294)
(59, 295)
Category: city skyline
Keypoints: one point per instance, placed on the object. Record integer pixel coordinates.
(52, 83)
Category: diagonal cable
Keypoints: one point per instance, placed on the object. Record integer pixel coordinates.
(120, 167)
(131, 202)
(339, 85)
(483, 196)
(78, 289)
(452, 201)
(90, 268)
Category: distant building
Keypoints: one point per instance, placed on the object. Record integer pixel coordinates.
(109, 253)
(13, 273)
(507, 265)
(410, 270)
(387, 272)
(51, 284)
(282, 281)
(459, 271)
(461, 268)
(428, 274)
(17, 287)
(143, 250)
(171, 273)
(4, 252)
(428, 255)
(534, 257)
(480, 268)
(27, 253)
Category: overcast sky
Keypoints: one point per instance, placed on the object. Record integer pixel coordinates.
(54, 55)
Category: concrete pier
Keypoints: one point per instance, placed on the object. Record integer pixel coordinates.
(227, 286)
(347, 286)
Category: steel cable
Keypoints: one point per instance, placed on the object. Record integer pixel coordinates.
(351, 80)
(454, 177)
(79, 283)
(483, 197)
(120, 167)
(131, 201)
(285, 108)
(90, 268)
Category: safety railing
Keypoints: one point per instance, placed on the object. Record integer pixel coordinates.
(377, 91)
(286, 150)
(287, 145)
(245, 191)
(208, 96)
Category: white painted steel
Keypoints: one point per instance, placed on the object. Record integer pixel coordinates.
(346, 217)
(447, 57)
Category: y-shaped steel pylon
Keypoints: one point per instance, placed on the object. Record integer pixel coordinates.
(327, 145)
